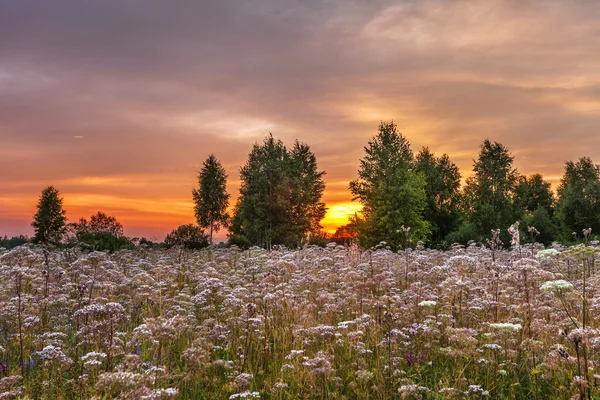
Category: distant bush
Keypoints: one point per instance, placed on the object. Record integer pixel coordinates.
(239, 240)
(102, 233)
(540, 220)
(465, 233)
(105, 241)
(148, 243)
(15, 241)
(189, 236)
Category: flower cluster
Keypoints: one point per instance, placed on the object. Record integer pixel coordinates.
(333, 322)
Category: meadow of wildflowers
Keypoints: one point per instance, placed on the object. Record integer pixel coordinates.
(316, 323)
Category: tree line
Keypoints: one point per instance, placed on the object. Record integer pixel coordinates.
(406, 199)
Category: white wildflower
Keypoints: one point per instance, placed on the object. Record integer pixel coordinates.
(507, 327)
(548, 253)
(556, 286)
(245, 395)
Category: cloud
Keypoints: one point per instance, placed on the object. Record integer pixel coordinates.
(125, 99)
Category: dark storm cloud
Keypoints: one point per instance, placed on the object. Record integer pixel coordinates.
(140, 92)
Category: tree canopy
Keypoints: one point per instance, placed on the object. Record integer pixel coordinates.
(578, 206)
(306, 190)
(50, 219)
(533, 192)
(442, 193)
(211, 198)
(280, 195)
(390, 190)
(490, 194)
(189, 236)
(101, 232)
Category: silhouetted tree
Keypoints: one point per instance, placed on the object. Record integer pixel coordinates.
(211, 198)
(49, 220)
(101, 232)
(344, 235)
(189, 236)
(15, 241)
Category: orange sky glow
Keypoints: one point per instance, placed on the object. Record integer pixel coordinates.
(117, 104)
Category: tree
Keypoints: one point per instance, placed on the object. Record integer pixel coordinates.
(578, 205)
(15, 241)
(390, 190)
(49, 220)
(542, 221)
(189, 236)
(261, 211)
(98, 223)
(490, 192)
(101, 222)
(101, 232)
(344, 235)
(280, 195)
(533, 196)
(211, 198)
(442, 196)
(534, 192)
(306, 190)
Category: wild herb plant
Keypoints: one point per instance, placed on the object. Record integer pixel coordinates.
(316, 323)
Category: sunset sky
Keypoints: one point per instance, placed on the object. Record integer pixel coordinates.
(118, 102)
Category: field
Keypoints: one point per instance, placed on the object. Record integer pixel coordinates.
(316, 323)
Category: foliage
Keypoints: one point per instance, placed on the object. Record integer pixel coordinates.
(306, 190)
(98, 223)
(211, 198)
(543, 223)
(345, 235)
(49, 220)
(189, 236)
(102, 232)
(490, 194)
(261, 210)
(390, 190)
(442, 195)
(465, 233)
(534, 192)
(280, 195)
(239, 240)
(105, 241)
(320, 239)
(578, 205)
(147, 243)
(15, 241)
(317, 323)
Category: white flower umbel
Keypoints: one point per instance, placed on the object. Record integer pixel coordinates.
(548, 253)
(245, 395)
(428, 303)
(556, 286)
(507, 327)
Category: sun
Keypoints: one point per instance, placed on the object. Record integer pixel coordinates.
(338, 215)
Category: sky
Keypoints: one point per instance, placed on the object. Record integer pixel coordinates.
(118, 102)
